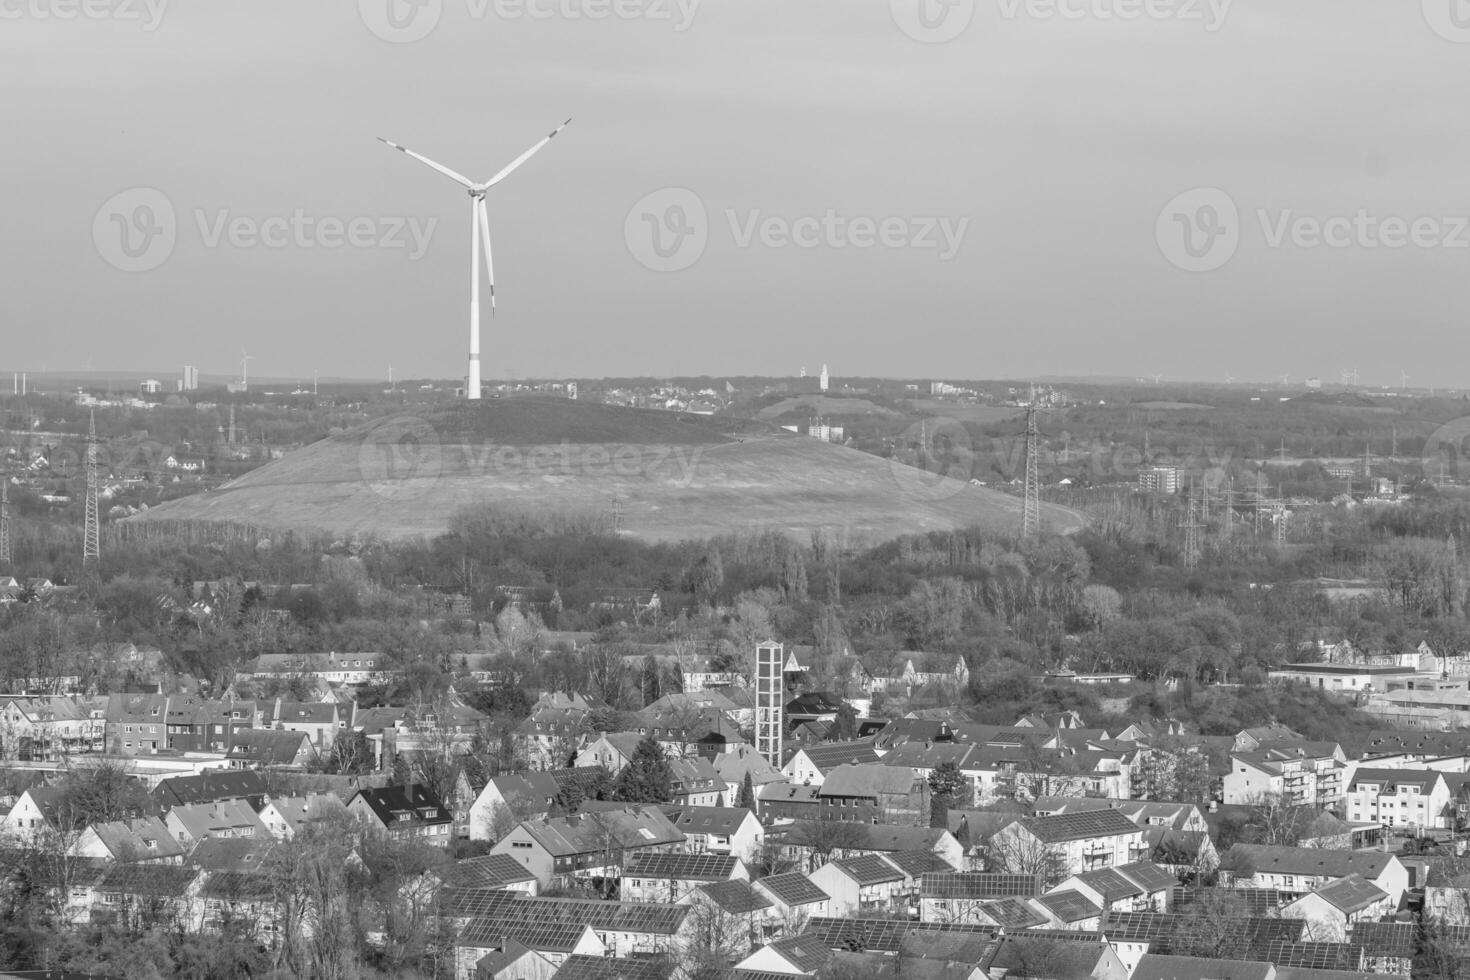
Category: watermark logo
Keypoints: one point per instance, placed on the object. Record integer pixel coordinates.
(1210, 14)
(147, 14)
(1450, 19)
(1446, 454)
(668, 230)
(933, 460)
(407, 21)
(401, 459)
(401, 21)
(1199, 230)
(136, 230)
(932, 21)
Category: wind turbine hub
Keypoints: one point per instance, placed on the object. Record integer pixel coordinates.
(478, 192)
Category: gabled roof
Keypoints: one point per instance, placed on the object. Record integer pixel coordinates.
(916, 863)
(1350, 894)
(495, 913)
(1069, 906)
(882, 838)
(1079, 826)
(788, 793)
(219, 784)
(803, 952)
(225, 818)
(486, 871)
(849, 780)
(978, 885)
(868, 869)
(590, 833)
(606, 968)
(238, 886)
(793, 889)
(153, 880)
(145, 838)
(826, 756)
(735, 896)
(1047, 958)
(681, 867)
(246, 854)
(398, 806)
(721, 820)
(1391, 779)
(1013, 913)
(1155, 967)
(267, 746)
(1108, 883)
(1266, 859)
(1149, 875)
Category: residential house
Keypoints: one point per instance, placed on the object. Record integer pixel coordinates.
(623, 929)
(696, 783)
(811, 763)
(650, 876)
(194, 822)
(1068, 843)
(874, 794)
(321, 720)
(859, 885)
(1139, 886)
(958, 897)
(1295, 871)
(734, 765)
(796, 956)
(1331, 909)
(35, 813)
(719, 830)
(1415, 798)
(334, 668)
(1070, 910)
(283, 817)
(140, 840)
(244, 903)
(212, 786)
(254, 748)
(784, 802)
(1250, 739)
(749, 912)
(137, 897)
(509, 798)
(811, 842)
(498, 871)
(404, 813)
(794, 896)
(688, 727)
(48, 728)
(595, 844)
(1060, 958)
(1298, 773)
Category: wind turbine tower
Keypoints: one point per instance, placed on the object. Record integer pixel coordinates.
(479, 235)
(91, 533)
(824, 380)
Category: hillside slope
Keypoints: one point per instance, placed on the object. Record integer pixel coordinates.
(676, 477)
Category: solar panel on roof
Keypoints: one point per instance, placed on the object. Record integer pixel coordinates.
(1385, 938)
(1070, 906)
(794, 888)
(978, 885)
(706, 867)
(876, 935)
(1316, 956)
(1256, 901)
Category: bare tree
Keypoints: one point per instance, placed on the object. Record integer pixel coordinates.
(1015, 850)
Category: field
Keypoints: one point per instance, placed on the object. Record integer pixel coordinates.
(823, 406)
(674, 477)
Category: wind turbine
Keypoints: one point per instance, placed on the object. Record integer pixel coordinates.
(245, 360)
(479, 235)
(1403, 379)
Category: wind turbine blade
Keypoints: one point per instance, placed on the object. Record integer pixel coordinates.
(510, 167)
(425, 160)
(489, 262)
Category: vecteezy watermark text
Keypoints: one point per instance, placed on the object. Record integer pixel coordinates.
(668, 230)
(405, 457)
(138, 229)
(147, 14)
(938, 21)
(407, 21)
(1202, 229)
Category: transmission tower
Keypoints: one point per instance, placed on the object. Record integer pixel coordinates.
(617, 510)
(4, 520)
(1281, 517)
(1031, 506)
(1228, 525)
(91, 537)
(1191, 525)
(1260, 501)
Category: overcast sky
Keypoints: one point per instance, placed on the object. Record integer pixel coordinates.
(1000, 202)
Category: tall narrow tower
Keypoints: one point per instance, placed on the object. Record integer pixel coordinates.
(1031, 504)
(4, 519)
(770, 696)
(1191, 525)
(824, 380)
(91, 534)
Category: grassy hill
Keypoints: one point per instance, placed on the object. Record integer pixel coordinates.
(675, 477)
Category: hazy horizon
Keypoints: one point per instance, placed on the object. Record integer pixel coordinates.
(1039, 150)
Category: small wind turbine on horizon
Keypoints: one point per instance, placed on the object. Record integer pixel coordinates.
(479, 235)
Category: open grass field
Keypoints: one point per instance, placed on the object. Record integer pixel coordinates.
(823, 405)
(673, 479)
